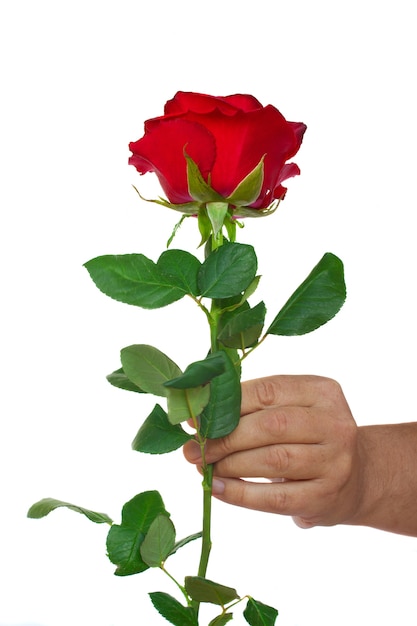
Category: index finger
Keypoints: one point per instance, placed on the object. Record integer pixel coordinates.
(284, 390)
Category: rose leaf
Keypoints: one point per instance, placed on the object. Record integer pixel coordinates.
(119, 379)
(158, 542)
(181, 270)
(148, 368)
(221, 620)
(45, 506)
(172, 610)
(316, 300)
(258, 614)
(242, 327)
(227, 271)
(133, 279)
(124, 540)
(200, 372)
(185, 404)
(158, 436)
(203, 590)
(222, 413)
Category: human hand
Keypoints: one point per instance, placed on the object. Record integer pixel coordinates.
(298, 432)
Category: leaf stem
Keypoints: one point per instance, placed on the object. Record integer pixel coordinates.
(180, 587)
(246, 353)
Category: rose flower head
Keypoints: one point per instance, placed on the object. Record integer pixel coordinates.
(213, 149)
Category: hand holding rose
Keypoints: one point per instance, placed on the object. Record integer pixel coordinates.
(298, 432)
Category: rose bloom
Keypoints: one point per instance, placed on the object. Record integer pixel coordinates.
(226, 137)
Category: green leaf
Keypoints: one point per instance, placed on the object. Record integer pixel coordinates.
(197, 186)
(45, 506)
(148, 368)
(172, 610)
(221, 620)
(249, 188)
(222, 413)
(258, 614)
(133, 279)
(183, 542)
(251, 289)
(203, 590)
(230, 304)
(185, 404)
(181, 269)
(227, 271)
(158, 542)
(316, 300)
(119, 379)
(200, 372)
(158, 436)
(124, 540)
(242, 327)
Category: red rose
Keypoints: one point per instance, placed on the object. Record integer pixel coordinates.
(226, 137)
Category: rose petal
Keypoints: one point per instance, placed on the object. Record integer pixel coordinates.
(161, 150)
(243, 102)
(184, 102)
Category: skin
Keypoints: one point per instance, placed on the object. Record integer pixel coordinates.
(298, 432)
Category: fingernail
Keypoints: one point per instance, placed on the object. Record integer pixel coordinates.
(217, 486)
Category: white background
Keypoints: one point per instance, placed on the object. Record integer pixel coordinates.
(78, 80)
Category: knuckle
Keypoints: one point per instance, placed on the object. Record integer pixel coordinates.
(267, 390)
(224, 447)
(277, 501)
(329, 388)
(278, 459)
(240, 493)
(275, 423)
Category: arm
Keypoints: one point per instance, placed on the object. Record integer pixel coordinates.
(298, 432)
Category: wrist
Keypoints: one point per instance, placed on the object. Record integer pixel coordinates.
(387, 484)
(370, 481)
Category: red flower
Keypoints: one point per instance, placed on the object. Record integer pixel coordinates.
(226, 137)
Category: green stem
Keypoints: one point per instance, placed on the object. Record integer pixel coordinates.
(213, 318)
(206, 540)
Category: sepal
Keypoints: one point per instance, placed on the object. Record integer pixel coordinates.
(198, 189)
(249, 189)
